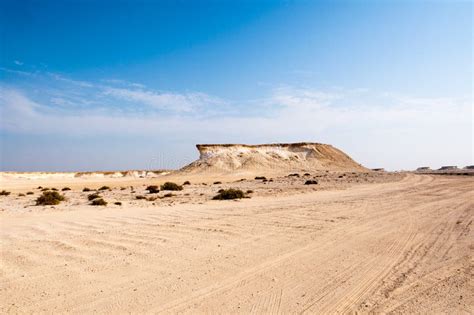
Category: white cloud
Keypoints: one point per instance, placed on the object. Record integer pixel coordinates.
(18, 63)
(391, 131)
(189, 102)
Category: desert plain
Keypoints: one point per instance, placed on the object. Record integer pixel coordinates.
(353, 241)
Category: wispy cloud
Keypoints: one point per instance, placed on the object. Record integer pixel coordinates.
(18, 63)
(373, 127)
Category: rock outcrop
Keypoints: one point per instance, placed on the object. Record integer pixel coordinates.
(278, 157)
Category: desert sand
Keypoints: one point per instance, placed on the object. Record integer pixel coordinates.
(358, 241)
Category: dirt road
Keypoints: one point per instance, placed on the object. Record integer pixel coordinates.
(395, 247)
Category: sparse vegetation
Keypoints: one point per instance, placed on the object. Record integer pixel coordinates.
(99, 202)
(30, 193)
(217, 183)
(93, 196)
(86, 189)
(294, 175)
(220, 190)
(168, 195)
(171, 186)
(39, 187)
(311, 182)
(117, 203)
(66, 189)
(104, 188)
(139, 197)
(260, 178)
(54, 189)
(186, 183)
(49, 198)
(228, 194)
(307, 174)
(45, 189)
(249, 191)
(123, 188)
(4, 193)
(153, 189)
(21, 195)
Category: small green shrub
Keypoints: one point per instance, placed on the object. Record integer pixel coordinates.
(99, 202)
(104, 188)
(66, 189)
(93, 196)
(4, 193)
(171, 186)
(153, 189)
(186, 183)
(86, 189)
(229, 194)
(49, 198)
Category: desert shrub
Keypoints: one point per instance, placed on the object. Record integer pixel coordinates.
(54, 189)
(66, 188)
(86, 189)
(264, 180)
(270, 180)
(168, 195)
(260, 178)
(39, 187)
(30, 193)
(140, 197)
(307, 174)
(220, 190)
(151, 198)
(123, 188)
(93, 196)
(294, 175)
(21, 195)
(104, 188)
(99, 202)
(311, 182)
(229, 194)
(341, 176)
(171, 186)
(153, 189)
(49, 198)
(117, 203)
(4, 193)
(186, 183)
(249, 191)
(217, 183)
(45, 189)
(204, 184)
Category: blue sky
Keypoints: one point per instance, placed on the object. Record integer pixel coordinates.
(101, 85)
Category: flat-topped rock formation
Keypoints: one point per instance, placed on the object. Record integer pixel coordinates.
(277, 157)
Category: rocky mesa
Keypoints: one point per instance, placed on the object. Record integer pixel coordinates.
(276, 157)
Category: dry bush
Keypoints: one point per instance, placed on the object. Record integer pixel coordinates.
(171, 186)
(66, 189)
(228, 194)
(86, 189)
(186, 183)
(153, 189)
(260, 178)
(217, 183)
(139, 197)
(311, 182)
(49, 198)
(93, 196)
(117, 203)
(4, 193)
(98, 202)
(30, 193)
(104, 188)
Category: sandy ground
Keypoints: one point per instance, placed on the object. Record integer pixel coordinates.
(398, 243)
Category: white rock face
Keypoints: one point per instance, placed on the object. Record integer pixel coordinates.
(277, 157)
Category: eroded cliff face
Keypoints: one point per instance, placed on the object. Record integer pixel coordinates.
(278, 157)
